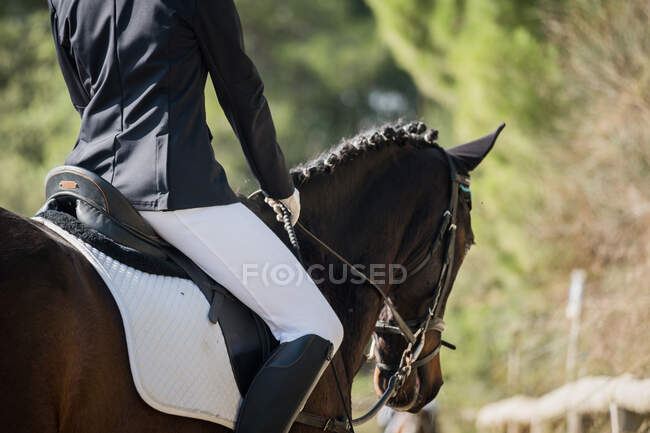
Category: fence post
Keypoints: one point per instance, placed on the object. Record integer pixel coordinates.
(514, 365)
(613, 418)
(573, 309)
(623, 420)
(573, 421)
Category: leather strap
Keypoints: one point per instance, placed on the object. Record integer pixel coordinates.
(401, 323)
(214, 292)
(323, 423)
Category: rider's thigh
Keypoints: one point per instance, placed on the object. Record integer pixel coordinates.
(238, 250)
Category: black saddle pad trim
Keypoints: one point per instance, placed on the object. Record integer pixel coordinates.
(121, 253)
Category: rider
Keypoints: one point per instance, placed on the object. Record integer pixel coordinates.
(136, 73)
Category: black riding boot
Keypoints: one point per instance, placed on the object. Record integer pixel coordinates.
(281, 388)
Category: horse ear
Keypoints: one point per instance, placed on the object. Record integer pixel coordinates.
(467, 156)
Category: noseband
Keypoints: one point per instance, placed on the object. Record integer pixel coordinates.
(414, 331)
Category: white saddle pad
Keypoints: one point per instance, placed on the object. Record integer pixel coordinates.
(178, 358)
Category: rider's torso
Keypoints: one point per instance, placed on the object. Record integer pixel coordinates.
(136, 75)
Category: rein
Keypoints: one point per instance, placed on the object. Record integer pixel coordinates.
(413, 331)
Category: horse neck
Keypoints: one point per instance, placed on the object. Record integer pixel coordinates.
(341, 209)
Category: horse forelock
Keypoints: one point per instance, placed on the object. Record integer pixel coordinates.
(415, 134)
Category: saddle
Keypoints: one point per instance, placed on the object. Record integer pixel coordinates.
(91, 208)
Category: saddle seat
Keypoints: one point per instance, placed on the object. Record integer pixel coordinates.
(100, 206)
(75, 193)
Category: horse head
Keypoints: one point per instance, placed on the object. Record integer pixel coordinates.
(425, 292)
(378, 200)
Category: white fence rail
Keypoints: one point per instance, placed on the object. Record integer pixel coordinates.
(588, 395)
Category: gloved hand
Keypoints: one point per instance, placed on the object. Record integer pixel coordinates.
(292, 203)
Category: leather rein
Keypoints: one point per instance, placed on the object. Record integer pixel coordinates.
(414, 331)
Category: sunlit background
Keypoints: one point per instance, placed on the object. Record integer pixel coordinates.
(567, 187)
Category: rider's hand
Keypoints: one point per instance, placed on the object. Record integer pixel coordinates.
(292, 203)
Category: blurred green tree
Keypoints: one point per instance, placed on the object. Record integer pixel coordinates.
(37, 123)
(481, 63)
(480, 59)
(326, 73)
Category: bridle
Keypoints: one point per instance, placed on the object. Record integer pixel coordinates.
(414, 331)
(432, 321)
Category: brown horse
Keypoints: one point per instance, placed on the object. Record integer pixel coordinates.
(64, 368)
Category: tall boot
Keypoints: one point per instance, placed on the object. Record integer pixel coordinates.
(280, 389)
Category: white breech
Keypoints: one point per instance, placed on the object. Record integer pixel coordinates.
(233, 246)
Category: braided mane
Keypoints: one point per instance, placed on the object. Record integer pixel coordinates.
(394, 134)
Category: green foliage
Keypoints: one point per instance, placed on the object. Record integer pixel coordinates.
(480, 59)
(321, 61)
(570, 79)
(484, 63)
(37, 122)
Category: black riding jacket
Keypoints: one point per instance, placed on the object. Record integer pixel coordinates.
(136, 72)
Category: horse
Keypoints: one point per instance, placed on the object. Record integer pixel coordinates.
(375, 198)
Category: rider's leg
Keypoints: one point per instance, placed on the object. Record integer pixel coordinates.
(237, 249)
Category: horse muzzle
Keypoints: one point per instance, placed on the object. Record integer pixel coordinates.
(417, 391)
(405, 396)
